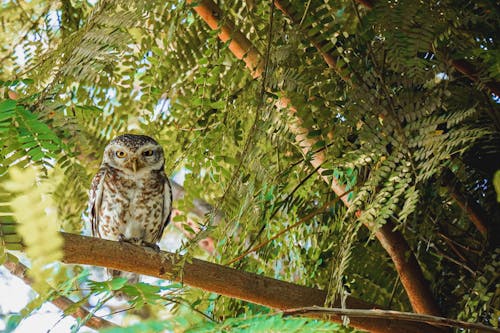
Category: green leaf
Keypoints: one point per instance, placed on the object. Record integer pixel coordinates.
(218, 104)
(496, 184)
(318, 145)
(7, 105)
(314, 133)
(107, 286)
(327, 172)
(12, 322)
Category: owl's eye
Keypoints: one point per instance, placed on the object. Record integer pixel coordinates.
(147, 153)
(121, 154)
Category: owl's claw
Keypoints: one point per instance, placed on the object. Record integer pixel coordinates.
(153, 246)
(133, 240)
(138, 241)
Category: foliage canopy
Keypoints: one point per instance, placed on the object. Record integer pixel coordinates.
(403, 126)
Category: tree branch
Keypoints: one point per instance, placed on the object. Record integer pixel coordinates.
(218, 279)
(393, 315)
(467, 69)
(239, 45)
(391, 240)
(470, 207)
(62, 302)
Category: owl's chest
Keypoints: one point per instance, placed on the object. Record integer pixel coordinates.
(133, 200)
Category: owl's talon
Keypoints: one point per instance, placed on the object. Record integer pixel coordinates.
(151, 245)
(133, 240)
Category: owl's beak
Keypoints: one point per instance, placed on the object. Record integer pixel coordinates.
(134, 164)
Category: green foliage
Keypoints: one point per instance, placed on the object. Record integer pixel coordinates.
(147, 327)
(389, 118)
(476, 303)
(36, 225)
(269, 323)
(26, 139)
(496, 183)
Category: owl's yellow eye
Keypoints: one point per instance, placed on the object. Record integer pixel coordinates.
(121, 154)
(147, 153)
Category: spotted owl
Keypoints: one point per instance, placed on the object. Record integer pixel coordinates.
(131, 197)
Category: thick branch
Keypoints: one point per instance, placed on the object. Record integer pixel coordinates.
(470, 207)
(410, 274)
(467, 69)
(393, 241)
(240, 46)
(61, 302)
(218, 279)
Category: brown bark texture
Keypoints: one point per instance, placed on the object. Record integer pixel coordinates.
(393, 241)
(471, 208)
(467, 69)
(219, 279)
(240, 46)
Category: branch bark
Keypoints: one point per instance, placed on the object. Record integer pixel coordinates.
(470, 207)
(240, 46)
(467, 69)
(219, 279)
(62, 302)
(392, 241)
(406, 265)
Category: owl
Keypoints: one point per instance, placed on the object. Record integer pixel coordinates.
(131, 197)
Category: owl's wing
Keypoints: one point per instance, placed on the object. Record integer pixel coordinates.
(167, 206)
(95, 199)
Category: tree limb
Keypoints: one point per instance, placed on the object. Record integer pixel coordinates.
(470, 207)
(239, 45)
(62, 302)
(218, 279)
(467, 69)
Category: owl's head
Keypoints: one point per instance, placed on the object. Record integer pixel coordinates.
(134, 154)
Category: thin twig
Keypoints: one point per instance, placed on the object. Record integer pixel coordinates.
(393, 315)
(276, 210)
(302, 220)
(61, 302)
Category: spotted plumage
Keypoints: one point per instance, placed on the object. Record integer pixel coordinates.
(131, 197)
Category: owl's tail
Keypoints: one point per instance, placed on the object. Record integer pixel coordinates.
(131, 277)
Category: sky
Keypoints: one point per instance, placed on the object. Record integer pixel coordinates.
(15, 295)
